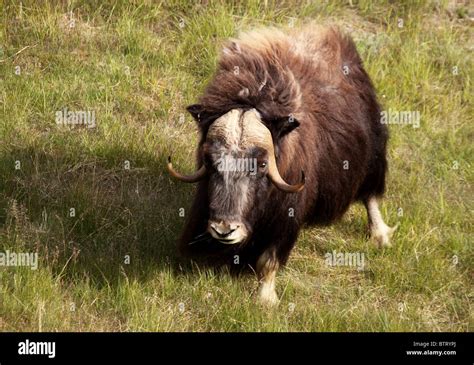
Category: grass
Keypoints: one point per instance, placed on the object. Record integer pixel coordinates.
(137, 66)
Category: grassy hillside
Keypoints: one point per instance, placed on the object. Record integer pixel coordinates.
(110, 263)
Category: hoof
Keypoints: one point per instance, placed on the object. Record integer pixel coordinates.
(268, 298)
(382, 235)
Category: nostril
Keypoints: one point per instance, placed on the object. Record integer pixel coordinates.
(224, 230)
(225, 234)
(229, 232)
(219, 233)
(215, 229)
(222, 233)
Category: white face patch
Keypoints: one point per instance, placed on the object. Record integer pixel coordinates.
(233, 185)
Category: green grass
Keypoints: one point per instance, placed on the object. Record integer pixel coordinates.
(137, 69)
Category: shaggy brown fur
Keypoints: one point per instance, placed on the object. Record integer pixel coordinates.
(316, 76)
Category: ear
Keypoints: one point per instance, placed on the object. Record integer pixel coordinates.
(196, 110)
(283, 125)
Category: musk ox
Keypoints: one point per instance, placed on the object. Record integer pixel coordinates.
(290, 135)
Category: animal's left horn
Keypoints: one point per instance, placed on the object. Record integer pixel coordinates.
(278, 181)
(199, 175)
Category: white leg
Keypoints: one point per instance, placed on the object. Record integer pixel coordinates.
(379, 231)
(267, 266)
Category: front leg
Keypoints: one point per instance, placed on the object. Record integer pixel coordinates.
(267, 266)
(278, 245)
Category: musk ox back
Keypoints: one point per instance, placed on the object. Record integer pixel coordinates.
(290, 135)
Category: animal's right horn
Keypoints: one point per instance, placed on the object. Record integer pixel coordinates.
(199, 175)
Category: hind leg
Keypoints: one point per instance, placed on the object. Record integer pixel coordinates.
(379, 231)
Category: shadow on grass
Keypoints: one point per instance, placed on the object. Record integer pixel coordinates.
(88, 216)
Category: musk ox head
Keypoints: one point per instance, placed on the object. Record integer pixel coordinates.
(240, 166)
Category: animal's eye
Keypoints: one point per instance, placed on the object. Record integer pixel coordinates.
(263, 164)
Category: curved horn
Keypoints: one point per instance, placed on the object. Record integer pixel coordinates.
(278, 181)
(261, 136)
(199, 175)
